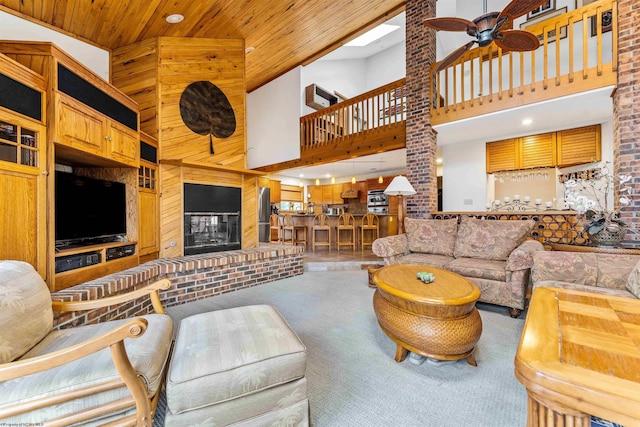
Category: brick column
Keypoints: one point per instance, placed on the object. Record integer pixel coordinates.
(626, 111)
(421, 138)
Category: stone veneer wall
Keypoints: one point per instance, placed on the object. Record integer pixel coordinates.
(626, 109)
(193, 278)
(421, 138)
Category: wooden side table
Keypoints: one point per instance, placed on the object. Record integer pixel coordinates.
(579, 355)
(598, 249)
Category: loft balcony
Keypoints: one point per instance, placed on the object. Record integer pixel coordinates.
(577, 53)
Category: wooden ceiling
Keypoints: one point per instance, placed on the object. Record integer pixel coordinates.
(283, 33)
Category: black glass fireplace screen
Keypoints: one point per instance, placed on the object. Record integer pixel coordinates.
(211, 232)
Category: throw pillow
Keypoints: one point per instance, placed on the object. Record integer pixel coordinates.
(490, 239)
(633, 282)
(432, 236)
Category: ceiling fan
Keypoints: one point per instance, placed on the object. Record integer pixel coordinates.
(490, 27)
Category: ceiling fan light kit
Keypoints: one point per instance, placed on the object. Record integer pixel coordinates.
(488, 28)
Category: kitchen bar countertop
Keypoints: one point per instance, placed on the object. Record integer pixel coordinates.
(388, 226)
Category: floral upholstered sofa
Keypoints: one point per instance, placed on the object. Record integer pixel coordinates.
(609, 274)
(494, 254)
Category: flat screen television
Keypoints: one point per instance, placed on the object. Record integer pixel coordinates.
(88, 208)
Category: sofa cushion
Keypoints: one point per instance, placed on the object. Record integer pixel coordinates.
(614, 270)
(479, 268)
(431, 260)
(25, 309)
(633, 281)
(148, 355)
(583, 288)
(570, 267)
(432, 236)
(490, 239)
(225, 354)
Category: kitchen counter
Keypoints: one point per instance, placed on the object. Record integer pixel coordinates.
(388, 227)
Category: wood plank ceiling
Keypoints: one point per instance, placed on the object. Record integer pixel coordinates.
(283, 33)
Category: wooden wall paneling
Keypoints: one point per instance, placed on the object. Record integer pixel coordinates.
(581, 145)
(208, 177)
(171, 212)
(538, 150)
(249, 213)
(183, 61)
(134, 71)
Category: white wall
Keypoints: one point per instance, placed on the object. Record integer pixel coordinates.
(386, 66)
(94, 58)
(464, 179)
(345, 76)
(273, 121)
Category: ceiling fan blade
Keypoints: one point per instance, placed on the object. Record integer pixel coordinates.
(450, 59)
(516, 40)
(449, 24)
(517, 8)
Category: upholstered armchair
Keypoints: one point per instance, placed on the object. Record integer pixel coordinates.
(85, 375)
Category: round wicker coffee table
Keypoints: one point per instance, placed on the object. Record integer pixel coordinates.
(438, 320)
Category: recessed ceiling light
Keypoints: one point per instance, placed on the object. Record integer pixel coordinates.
(438, 161)
(372, 35)
(175, 18)
(527, 121)
(301, 175)
(249, 49)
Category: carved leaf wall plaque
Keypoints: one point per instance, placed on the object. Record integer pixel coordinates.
(206, 110)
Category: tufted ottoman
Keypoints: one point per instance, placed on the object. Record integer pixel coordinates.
(241, 366)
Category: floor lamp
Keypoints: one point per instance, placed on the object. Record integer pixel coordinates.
(400, 186)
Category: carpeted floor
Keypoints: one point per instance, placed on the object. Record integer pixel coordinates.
(353, 379)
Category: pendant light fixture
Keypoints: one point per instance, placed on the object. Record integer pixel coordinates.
(353, 170)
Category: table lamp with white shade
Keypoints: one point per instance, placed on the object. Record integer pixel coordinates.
(400, 186)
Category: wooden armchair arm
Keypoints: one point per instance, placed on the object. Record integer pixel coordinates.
(151, 290)
(131, 329)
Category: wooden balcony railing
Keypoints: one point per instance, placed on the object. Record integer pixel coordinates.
(578, 52)
(375, 112)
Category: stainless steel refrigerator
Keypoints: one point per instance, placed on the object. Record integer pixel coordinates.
(264, 211)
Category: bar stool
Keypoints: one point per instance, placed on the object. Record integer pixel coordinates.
(320, 223)
(370, 222)
(288, 226)
(346, 222)
(276, 227)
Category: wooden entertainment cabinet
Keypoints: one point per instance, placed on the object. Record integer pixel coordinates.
(87, 126)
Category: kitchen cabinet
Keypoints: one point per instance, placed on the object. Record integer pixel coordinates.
(362, 188)
(538, 150)
(327, 194)
(563, 148)
(578, 146)
(316, 194)
(503, 155)
(337, 191)
(275, 191)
